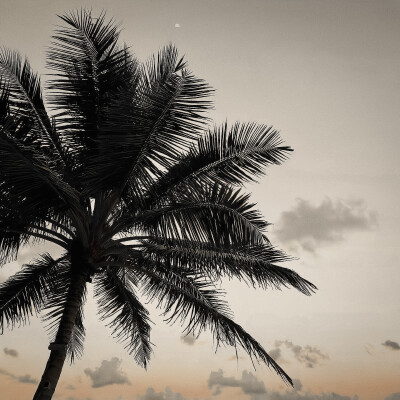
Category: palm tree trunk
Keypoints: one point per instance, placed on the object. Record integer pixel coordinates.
(58, 349)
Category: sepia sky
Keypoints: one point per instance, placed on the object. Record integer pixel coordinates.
(325, 73)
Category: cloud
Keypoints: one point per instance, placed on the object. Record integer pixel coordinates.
(308, 226)
(189, 339)
(79, 398)
(296, 395)
(297, 385)
(369, 348)
(10, 352)
(276, 354)
(256, 390)
(108, 373)
(251, 385)
(22, 378)
(248, 383)
(393, 396)
(391, 345)
(168, 394)
(308, 355)
(4, 372)
(217, 378)
(26, 379)
(71, 387)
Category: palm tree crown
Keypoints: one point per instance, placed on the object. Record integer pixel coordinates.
(142, 196)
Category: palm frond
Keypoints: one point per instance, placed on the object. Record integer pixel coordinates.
(23, 86)
(87, 67)
(255, 265)
(25, 101)
(206, 213)
(118, 143)
(75, 345)
(20, 223)
(188, 296)
(170, 104)
(129, 320)
(228, 156)
(27, 173)
(4, 101)
(24, 293)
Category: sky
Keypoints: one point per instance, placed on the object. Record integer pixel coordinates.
(326, 75)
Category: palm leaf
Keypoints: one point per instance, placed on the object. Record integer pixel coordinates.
(25, 97)
(75, 345)
(93, 84)
(87, 66)
(253, 264)
(170, 102)
(204, 214)
(28, 175)
(129, 320)
(24, 293)
(189, 296)
(25, 101)
(231, 157)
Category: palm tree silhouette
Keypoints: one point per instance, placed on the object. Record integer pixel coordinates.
(143, 198)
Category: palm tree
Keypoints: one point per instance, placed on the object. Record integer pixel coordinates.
(143, 198)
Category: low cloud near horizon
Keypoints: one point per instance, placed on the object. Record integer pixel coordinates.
(78, 398)
(108, 373)
(248, 382)
(255, 389)
(391, 345)
(393, 396)
(307, 226)
(310, 356)
(10, 352)
(168, 394)
(19, 378)
(297, 395)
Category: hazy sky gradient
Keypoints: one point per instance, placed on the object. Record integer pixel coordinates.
(326, 74)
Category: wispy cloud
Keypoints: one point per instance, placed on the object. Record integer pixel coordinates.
(10, 352)
(248, 382)
(189, 339)
(391, 345)
(276, 354)
(393, 396)
(26, 379)
(309, 226)
(19, 378)
(297, 385)
(108, 373)
(369, 348)
(310, 356)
